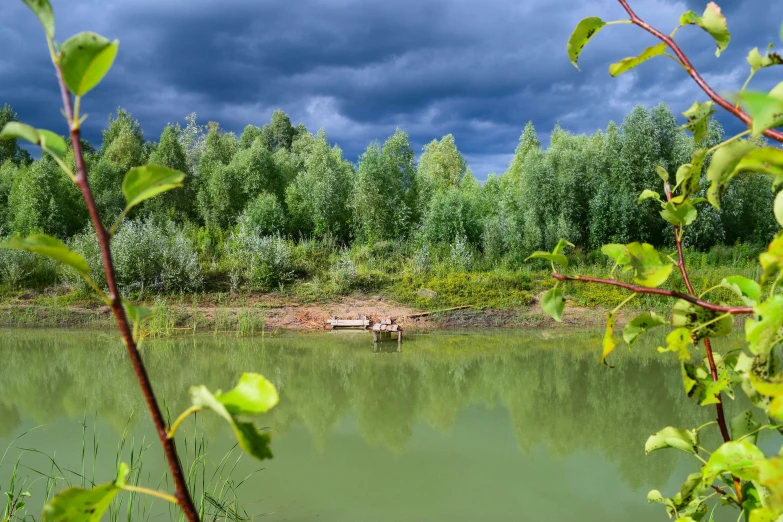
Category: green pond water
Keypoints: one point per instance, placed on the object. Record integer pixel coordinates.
(503, 425)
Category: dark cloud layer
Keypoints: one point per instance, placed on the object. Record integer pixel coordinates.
(361, 68)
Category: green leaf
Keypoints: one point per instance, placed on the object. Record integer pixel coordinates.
(648, 194)
(47, 140)
(142, 183)
(553, 303)
(678, 341)
(762, 329)
(684, 440)
(771, 386)
(77, 504)
(772, 260)
(743, 287)
(626, 64)
(608, 343)
(767, 160)
(253, 394)
(662, 173)
(744, 424)
(583, 32)
(681, 215)
(776, 408)
(770, 473)
(765, 109)
(711, 21)
(723, 168)
(640, 324)
(757, 61)
(560, 259)
(618, 253)
(650, 269)
(740, 458)
(778, 209)
(762, 514)
(693, 317)
(50, 247)
(561, 246)
(43, 10)
(137, 314)
(698, 117)
(85, 59)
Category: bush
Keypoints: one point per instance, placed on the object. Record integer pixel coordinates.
(343, 272)
(460, 254)
(21, 269)
(259, 261)
(264, 215)
(146, 257)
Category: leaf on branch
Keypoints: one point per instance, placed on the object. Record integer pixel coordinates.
(757, 61)
(136, 313)
(763, 328)
(662, 173)
(142, 183)
(744, 424)
(765, 109)
(561, 246)
(608, 342)
(253, 394)
(695, 318)
(641, 324)
(683, 440)
(698, 119)
(678, 341)
(50, 142)
(778, 208)
(43, 10)
(680, 215)
(77, 504)
(711, 21)
(747, 289)
(723, 168)
(770, 472)
(85, 59)
(52, 248)
(740, 458)
(626, 64)
(553, 303)
(772, 260)
(618, 253)
(560, 259)
(650, 269)
(687, 502)
(648, 194)
(583, 32)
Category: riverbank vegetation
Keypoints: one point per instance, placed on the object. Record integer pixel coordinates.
(278, 210)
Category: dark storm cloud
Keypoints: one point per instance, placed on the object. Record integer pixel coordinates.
(360, 68)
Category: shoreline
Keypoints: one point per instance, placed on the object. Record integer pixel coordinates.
(250, 315)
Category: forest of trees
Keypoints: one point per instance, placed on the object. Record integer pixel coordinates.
(281, 182)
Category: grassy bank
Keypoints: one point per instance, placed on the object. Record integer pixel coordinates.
(354, 283)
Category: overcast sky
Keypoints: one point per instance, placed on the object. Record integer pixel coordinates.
(479, 69)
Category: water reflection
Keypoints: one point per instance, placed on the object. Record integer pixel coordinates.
(548, 384)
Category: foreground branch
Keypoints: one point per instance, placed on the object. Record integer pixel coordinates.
(739, 113)
(115, 302)
(734, 310)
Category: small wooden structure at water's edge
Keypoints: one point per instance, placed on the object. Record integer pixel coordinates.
(363, 323)
(385, 328)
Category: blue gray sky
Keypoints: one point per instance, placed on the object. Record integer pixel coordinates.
(360, 68)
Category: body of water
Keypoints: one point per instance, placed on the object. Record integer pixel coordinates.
(498, 426)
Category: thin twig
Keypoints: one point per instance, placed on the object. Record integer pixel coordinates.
(739, 113)
(115, 301)
(734, 310)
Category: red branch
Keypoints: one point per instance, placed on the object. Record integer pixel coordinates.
(169, 449)
(734, 310)
(739, 113)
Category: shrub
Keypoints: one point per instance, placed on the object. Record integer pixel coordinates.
(146, 257)
(264, 215)
(343, 272)
(259, 261)
(22, 269)
(461, 254)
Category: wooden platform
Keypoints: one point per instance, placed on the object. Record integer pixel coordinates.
(363, 323)
(386, 328)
